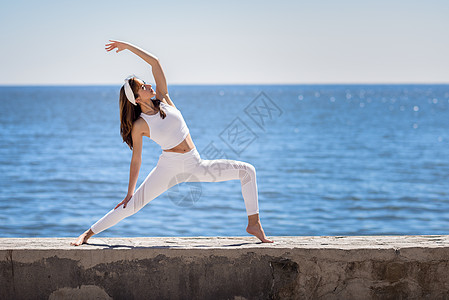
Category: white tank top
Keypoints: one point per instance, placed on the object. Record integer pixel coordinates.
(168, 132)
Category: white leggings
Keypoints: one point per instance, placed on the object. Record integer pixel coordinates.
(173, 168)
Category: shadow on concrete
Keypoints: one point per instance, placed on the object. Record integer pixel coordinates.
(241, 244)
(162, 247)
(129, 247)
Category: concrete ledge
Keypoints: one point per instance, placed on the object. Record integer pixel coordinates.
(337, 267)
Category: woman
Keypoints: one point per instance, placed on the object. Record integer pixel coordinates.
(160, 120)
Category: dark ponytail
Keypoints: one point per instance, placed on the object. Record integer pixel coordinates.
(129, 113)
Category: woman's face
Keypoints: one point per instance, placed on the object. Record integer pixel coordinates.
(145, 91)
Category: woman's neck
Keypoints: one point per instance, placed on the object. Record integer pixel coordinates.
(149, 108)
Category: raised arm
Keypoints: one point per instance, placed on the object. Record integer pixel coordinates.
(153, 61)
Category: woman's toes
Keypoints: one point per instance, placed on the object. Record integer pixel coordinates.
(79, 241)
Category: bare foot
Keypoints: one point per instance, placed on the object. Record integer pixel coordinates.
(256, 229)
(82, 239)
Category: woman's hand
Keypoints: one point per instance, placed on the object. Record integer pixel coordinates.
(116, 44)
(125, 201)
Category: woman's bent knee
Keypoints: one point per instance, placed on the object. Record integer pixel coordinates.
(247, 172)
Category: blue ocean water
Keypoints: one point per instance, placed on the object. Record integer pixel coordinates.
(330, 160)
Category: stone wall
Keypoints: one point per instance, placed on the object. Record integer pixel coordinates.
(338, 267)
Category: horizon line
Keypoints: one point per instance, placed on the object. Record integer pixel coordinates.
(224, 84)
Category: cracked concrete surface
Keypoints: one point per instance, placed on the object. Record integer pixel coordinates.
(294, 267)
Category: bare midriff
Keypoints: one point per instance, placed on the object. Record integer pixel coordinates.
(185, 146)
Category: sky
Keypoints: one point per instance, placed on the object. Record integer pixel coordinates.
(226, 42)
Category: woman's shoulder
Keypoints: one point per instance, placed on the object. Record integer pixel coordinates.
(140, 126)
(164, 102)
(167, 100)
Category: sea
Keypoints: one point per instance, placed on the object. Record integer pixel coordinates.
(331, 160)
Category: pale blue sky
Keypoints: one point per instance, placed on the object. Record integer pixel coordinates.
(227, 42)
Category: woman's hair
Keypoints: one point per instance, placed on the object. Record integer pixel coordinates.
(129, 113)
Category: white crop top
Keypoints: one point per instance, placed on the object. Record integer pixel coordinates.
(168, 132)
